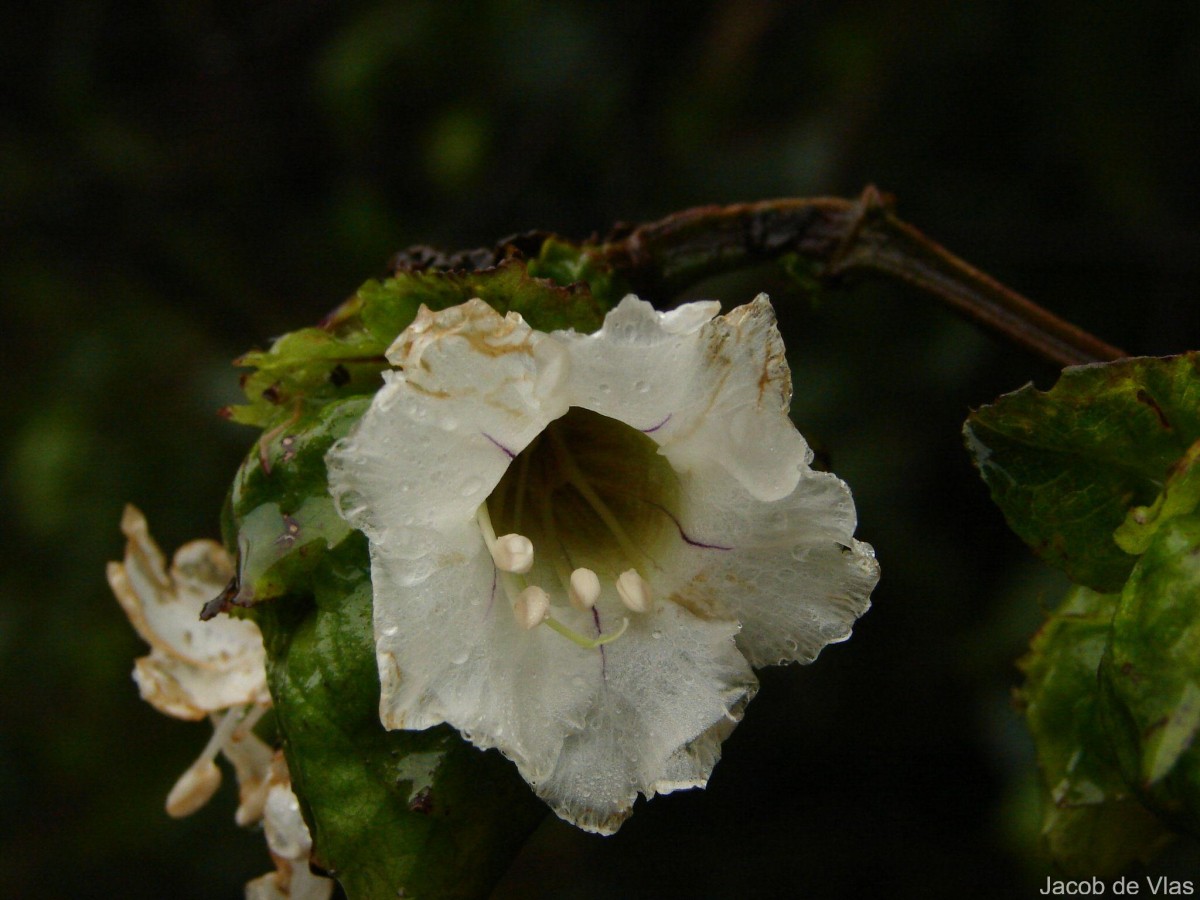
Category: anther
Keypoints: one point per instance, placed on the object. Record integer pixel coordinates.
(634, 591)
(584, 589)
(193, 789)
(513, 553)
(532, 607)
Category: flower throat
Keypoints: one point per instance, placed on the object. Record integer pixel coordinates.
(587, 501)
(588, 491)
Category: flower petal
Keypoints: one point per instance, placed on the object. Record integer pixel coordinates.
(671, 689)
(450, 650)
(475, 389)
(194, 667)
(706, 391)
(790, 571)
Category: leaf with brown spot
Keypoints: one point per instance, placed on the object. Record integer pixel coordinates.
(1067, 465)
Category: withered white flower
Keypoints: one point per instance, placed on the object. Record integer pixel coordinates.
(196, 669)
(290, 845)
(215, 669)
(581, 544)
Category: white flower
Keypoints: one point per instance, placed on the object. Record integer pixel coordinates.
(677, 534)
(215, 669)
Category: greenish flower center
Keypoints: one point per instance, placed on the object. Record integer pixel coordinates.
(589, 491)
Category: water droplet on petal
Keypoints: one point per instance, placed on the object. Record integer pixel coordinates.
(800, 553)
(641, 387)
(458, 659)
(470, 486)
(390, 631)
(656, 634)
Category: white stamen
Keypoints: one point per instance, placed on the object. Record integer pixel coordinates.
(634, 591)
(532, 607)
(196, 786)
(513, 553)
(584, 589)
(193, 789)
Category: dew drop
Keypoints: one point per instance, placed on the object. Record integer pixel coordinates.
(470, 486)
(390, 631)
(459, 658)
(604, 387)
(641, 387)
(800, 553)
(656, 634)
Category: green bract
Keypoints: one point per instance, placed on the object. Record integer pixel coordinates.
(344, 355)
(417, 814)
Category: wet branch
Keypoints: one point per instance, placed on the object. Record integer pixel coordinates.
(845, 238)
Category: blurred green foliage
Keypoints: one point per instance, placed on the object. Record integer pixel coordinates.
(182, 181)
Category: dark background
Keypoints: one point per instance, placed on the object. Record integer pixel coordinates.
(181, 181)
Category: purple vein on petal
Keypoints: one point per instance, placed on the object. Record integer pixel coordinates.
(603, 657)
(492, 598)
(507, 452)
(658, 426)
(683, 534)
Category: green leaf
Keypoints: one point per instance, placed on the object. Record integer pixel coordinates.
(1067, 465)
(1180, 496)
(1151, 675)
(566, 264)
(344, 356)
(1093, 825)
(393, 814)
